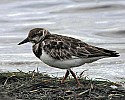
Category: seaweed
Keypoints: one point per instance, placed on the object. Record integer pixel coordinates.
(40, 86)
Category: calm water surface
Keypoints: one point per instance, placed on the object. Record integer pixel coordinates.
(97, 22)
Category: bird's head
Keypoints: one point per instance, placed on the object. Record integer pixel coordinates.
(35, 36)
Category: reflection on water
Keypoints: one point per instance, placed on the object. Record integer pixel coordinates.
(99, 22)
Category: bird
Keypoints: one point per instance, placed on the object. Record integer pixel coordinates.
(64, 52)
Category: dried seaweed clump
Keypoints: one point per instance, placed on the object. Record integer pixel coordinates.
(39, 86)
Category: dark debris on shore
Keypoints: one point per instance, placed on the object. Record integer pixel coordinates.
(39, 86)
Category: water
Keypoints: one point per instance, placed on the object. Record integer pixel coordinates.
(97, 22)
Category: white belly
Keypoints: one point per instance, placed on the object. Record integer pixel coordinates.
(65, 64)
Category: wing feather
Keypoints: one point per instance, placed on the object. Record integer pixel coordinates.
(62, 47)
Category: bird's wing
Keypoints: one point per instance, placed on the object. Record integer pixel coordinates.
(62, 47)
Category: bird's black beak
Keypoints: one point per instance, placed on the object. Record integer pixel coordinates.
(24, 41)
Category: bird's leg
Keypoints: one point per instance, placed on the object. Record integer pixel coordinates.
(66, 75)
(73, 74)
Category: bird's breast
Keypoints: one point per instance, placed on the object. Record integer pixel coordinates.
(37, 50)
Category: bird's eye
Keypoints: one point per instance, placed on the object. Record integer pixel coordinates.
(40, 32)
(35, 34)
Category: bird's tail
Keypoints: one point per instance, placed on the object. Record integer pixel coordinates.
(110, 53)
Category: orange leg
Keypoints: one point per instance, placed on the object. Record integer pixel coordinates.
(66, 75)
(73, 74)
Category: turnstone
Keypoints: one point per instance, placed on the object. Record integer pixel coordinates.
(64, 52)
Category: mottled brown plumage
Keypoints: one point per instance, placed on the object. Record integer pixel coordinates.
(63, 47)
